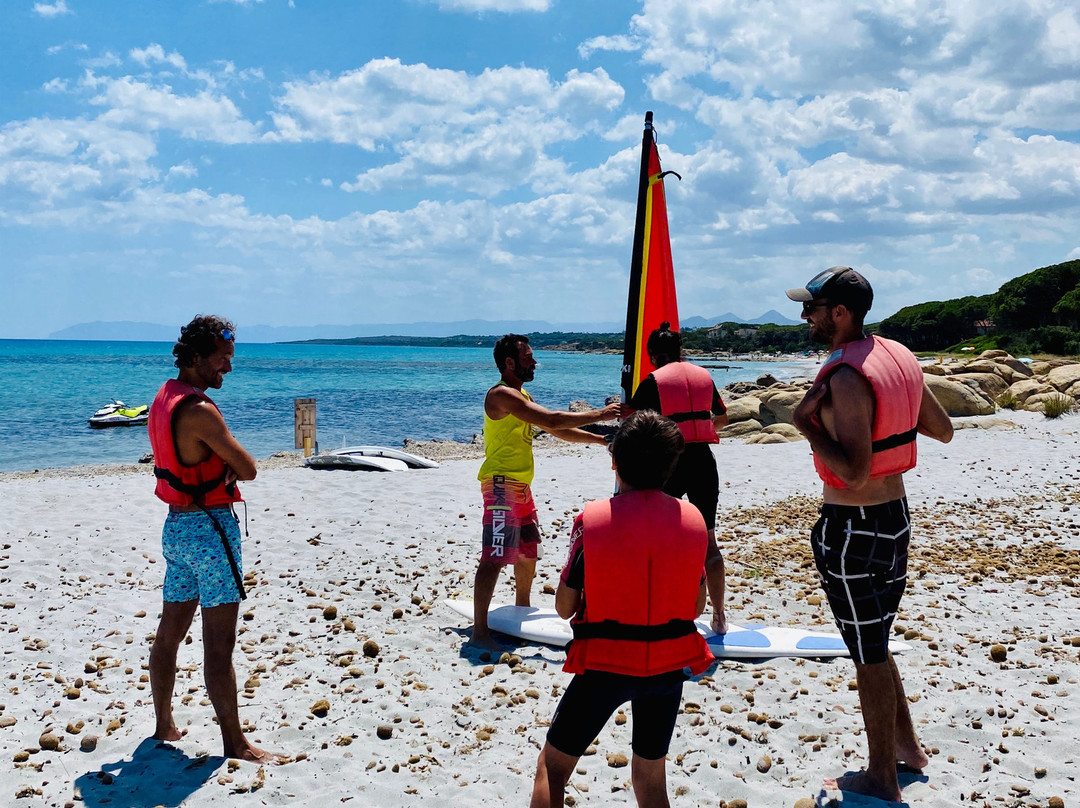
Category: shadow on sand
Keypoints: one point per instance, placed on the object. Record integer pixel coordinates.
(905, 775)
(156, 774)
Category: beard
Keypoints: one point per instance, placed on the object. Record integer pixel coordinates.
(822, 333)
(524, 375)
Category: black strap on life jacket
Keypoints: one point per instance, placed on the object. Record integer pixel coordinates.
(893, 441)
(198, 492)
(696, 415)
(614, 630)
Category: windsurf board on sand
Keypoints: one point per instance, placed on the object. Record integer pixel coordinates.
(369, 458)
(741, 641)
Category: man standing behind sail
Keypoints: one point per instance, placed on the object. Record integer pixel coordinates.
(861, 417)
(197, 462)
(511, 534)
(686, 393)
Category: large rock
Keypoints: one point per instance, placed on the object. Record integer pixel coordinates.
(743, 409)
(936, 370)
(993, 353)
(1025, 388)
(1035, 403)
(1040, 368)
(980, 366)
(780, 405)
(765, 437)
(1017, 367)
(740, 428)
(957, 399)
(786, 431)
(990, 384)
(1064, 377)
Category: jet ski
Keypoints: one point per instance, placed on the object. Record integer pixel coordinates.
(119, 414)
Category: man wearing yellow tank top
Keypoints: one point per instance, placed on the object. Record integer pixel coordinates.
(511, 535)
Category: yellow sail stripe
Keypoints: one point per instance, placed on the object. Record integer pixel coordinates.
(644, 283)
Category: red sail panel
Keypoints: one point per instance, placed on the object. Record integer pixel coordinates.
(652, 298)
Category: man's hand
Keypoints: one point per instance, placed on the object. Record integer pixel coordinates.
(612, 411)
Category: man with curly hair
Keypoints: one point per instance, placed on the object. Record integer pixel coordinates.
(197, 462)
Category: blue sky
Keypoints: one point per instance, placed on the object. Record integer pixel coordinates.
(298, 162)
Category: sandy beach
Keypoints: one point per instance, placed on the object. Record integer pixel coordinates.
(350, 664)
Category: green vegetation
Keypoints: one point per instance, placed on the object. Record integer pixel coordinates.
(1057, 405)
(1035, 313)
(1008, 401)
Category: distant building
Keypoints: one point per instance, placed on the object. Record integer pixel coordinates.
(983, 327)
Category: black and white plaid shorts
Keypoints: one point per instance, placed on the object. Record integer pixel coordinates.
(861, 557)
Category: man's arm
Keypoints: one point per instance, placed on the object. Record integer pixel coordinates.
(502, 401)
(567, 601)
(848, 456)
(202, 421)
(934, 422)
(577, 436)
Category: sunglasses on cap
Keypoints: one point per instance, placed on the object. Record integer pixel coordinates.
(226, 333)
(818, 282)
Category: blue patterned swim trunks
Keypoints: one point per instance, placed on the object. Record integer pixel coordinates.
(196, 564)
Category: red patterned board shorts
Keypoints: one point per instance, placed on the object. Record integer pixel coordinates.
(510, 522)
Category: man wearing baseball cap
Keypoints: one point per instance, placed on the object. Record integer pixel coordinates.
(861, 416)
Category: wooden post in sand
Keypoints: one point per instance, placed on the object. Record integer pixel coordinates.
(305, 424)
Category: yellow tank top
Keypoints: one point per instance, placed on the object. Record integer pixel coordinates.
(508, 448)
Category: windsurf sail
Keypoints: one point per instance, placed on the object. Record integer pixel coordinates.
(651, 298)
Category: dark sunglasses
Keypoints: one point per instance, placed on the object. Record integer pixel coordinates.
(809, 306)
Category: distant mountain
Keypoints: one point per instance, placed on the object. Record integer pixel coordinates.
(153, 332)
(771, 316)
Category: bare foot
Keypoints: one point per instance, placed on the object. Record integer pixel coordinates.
(862, 783)
(912, 756)
(485, 642)
(254, 754)
(719, 623)
(168, 733)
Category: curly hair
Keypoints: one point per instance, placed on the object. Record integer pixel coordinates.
(646, 448)
(200, 338)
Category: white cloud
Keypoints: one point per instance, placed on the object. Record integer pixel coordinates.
(185, 170)
(618, 43)
(154, 53)
(57, 9)
(482, 133)
(203, 115)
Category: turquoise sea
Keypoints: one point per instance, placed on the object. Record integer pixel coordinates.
(364, 394)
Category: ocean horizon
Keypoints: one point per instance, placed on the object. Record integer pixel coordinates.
(364, 394)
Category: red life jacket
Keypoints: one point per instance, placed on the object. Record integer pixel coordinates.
(894, 373)
(686, 396)
(177, 484)
(644, 558)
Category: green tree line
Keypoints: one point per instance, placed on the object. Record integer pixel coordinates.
(1034, 313)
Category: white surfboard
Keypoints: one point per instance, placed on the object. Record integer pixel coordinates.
(410, 460)
(741, 642)
(527, 622)
(355, 462)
